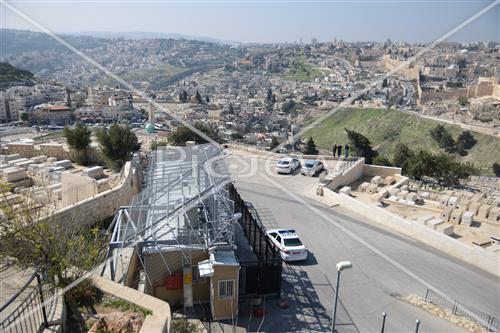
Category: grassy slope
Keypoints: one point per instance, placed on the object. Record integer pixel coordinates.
(9, 76)
(302, 71)
(303, 74)
(385, 128)
(11, 73)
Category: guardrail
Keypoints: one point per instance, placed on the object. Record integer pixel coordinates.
(457, 308)
(27, 310)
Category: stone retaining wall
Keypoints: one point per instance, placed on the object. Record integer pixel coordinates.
(105, 204)
(346, 177)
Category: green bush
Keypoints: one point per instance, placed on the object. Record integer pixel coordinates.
(183, 326)
(122, 305)
(84, 293)
(442, 167)
(382, 160)
(182, 134)
(496, 169)
(310, 147)
(361, 146)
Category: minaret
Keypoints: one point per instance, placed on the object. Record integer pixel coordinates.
(150, 127)
(151, 114)
(130, 102)
(68, 97)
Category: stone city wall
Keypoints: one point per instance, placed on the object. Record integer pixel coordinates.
(481, 89)
(454, 94)
(496, 91)
(409, 72)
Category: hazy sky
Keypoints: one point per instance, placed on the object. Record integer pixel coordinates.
(266, 21)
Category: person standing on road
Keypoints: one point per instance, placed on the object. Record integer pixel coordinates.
(334, 150)
(346, 147)
(339, 151)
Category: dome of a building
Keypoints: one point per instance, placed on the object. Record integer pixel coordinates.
(150, 128)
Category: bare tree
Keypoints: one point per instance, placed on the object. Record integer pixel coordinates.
(64, 249)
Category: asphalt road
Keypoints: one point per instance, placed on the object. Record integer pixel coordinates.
(374, 284)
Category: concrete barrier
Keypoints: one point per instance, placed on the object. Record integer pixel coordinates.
(268, 153)
(158, 322)
(378, 170)
(473, 255)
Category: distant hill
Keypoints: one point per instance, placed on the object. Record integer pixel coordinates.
(385, 128)
(149, 35)
(12, 76)
(47, 58)
(18, 41)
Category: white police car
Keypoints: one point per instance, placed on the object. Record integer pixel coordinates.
(289, 244)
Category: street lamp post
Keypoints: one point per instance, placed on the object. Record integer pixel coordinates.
(383, 322)
(340, 267)
(417, 326)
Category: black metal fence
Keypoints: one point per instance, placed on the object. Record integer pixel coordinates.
(27, 310)
(262, 276)
(459, 309)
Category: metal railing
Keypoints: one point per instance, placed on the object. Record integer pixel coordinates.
(459, 309)
(263, 275)
(27, 310)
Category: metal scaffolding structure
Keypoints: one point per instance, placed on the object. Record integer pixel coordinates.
(184, 204)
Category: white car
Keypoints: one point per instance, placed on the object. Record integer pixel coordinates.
(287, 165)
(288, 243)
(312, 168)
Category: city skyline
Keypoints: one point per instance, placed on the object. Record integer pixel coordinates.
(266, 22)
(164, 177)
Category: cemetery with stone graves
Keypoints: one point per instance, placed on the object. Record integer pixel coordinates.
(52, 182)
(470, 216)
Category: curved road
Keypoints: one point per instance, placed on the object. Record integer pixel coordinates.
(374, 284)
